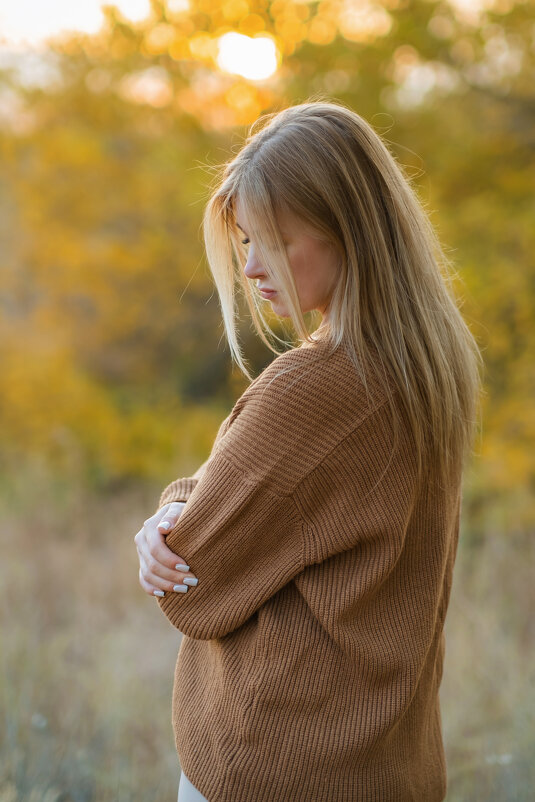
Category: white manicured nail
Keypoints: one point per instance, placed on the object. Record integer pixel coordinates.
(191, 580)
(159, 593)
(181, 567)
(180, 588)
(165, 525)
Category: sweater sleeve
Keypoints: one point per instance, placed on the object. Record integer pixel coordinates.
(240, 532)
(241, 540)
(258, 516)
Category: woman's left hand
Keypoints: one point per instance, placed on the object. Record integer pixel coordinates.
(160, 569)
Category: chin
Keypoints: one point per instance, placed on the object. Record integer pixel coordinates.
(284, 313)
(279, 309)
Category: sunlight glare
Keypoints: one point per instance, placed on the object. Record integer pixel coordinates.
(252, 58)
(29, 22)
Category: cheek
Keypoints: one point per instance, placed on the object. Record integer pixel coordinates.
(302, 264)
(331, 267)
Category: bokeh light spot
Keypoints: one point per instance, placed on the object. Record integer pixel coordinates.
(254, 58)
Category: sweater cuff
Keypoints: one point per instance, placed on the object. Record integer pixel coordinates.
(179, 490)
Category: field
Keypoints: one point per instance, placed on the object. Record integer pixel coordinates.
(87, 658)
(115, 365)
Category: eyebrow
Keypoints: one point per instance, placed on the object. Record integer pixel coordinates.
(283, 231)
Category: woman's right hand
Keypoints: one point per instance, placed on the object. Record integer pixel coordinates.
(160, 569)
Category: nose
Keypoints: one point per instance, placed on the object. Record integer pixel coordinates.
(253, 268)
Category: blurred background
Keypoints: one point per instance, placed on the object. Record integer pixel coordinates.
(115, 374)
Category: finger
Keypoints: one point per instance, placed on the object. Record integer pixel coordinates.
(157, 552)
(151, 583)
(171, 516)
(150, 589)
(164, 577)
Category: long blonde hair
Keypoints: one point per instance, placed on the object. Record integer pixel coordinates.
(393, 307)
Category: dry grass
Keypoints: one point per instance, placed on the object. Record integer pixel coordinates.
(87, 659)
(488, 689)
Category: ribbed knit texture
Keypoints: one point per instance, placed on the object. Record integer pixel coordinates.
(312, 653)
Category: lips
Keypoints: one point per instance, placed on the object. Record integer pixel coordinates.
(268, 293)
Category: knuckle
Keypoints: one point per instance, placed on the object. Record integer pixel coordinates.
(152, 565)
(159, 558)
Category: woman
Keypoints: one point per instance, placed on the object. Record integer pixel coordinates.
(308, 562)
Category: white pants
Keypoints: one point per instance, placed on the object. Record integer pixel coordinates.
(187, 791)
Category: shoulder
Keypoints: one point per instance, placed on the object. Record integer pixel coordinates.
(298, 409)
(316, 381)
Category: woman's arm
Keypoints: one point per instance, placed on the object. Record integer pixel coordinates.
(243, 541)
(265, 509)
(278, 494)
(158, 572)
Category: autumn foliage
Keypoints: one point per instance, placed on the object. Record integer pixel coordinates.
(114, 365)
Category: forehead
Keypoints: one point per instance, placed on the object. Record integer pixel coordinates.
(286, 220)
(241, 214)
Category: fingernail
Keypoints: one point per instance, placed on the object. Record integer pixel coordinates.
(159, 593)
(165, 524)
(181, 567)
(191, 580)
(180, 588)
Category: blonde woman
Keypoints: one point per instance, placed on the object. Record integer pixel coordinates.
(308, 562)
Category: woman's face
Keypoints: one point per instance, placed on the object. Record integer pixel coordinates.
(315, 264)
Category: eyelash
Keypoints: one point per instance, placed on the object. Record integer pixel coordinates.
(247, 241)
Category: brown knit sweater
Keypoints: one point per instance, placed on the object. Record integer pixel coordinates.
(312, 652)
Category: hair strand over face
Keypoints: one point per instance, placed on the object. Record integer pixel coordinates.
(393, 307)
